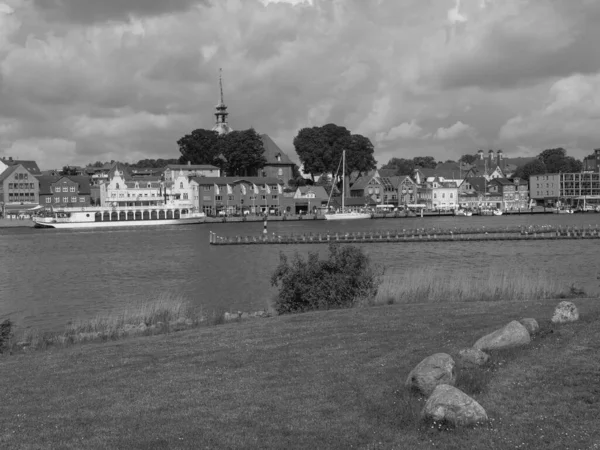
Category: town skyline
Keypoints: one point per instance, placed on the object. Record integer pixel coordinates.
(90, 81)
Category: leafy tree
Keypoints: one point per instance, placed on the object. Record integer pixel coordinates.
(425, 162)
(468, 159)
(68, 170)
(403, 167)
(342, 280)
(556, 160)
(320, 150)
(201, 147)
(535, 167)
(297, 179)
(243, 152)
(154, 163)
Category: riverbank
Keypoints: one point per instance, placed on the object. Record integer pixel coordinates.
(331, 379)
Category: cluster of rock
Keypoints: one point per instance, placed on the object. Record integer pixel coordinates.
(435, 376)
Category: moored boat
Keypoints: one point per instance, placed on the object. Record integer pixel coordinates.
(170, 213)
(343, 213)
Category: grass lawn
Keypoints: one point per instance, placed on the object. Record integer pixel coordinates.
(329, 379)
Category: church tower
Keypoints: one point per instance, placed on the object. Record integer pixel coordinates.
(221, 125)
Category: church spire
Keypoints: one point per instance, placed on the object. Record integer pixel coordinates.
(221, 125)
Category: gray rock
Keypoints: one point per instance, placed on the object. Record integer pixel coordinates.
(433, 370)
(473, 357)
(530, 324)
(565, 312)
(450, 404)
(512, 335)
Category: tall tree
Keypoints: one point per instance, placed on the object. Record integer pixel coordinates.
(243, 152)
(320, 150)
(425, 162)
(403, 167)
(468, 159)
(201, 147)
(68, 170)
(535, 167)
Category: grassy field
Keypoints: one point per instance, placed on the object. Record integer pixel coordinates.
(330, 379)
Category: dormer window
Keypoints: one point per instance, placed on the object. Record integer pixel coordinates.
(117, 186)
(279, 157)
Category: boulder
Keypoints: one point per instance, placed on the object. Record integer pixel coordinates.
(565, 312)
(531, 325)
(452, 405)
(473, 357)
(512, 335)
(433, 370)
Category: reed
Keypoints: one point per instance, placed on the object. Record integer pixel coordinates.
(164, 314)
(492, 284)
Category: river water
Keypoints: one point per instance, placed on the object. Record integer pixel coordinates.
(49, 277)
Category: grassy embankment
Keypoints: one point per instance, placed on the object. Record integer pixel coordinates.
(330, 379)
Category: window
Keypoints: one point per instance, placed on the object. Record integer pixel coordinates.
(65, 199)
(434, 195)
(56, 199)
(263, 197)
(451, 195)
(280, 172)
(48, 200)
(24, 176)
(273, 197)
(148, 185)
(180, 185)
(65, 189)
(73, 199)
(10, 186)
(206, 188)
(72, 189)
(117, 186)
(218, 198)
(443, 195)
(81, 199)
(185, 196)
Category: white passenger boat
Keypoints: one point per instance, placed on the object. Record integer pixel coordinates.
(122, 216)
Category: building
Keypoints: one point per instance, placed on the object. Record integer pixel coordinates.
(18, 186)
(446, 172)
(310, 199)
(240, 196)
(221, 125)
(474, 193)
(66, 191)
(514, 193)
(592, 164)
(545, 188)
(438, 195)
(31, 166)
(385, 190)
(173, 171)
(278, 164)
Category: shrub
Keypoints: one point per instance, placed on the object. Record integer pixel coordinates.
(5, 334)
(340, 281)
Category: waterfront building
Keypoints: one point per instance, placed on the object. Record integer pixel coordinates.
(31, 166)
(385, 190)
(514, 193)
(310, 199)
(446, 172)
(545, 188)
(438, 194)
(474, 193)
(172, 171)
(240, 195)
(592, 163)
(64, 191)
(18, 186)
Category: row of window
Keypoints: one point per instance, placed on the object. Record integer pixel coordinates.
(65, 200)
(64, 189)
(21, 195)
(262, 187)
(21, 176)
(21, 186)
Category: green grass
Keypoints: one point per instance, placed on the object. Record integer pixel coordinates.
(491, 284)
(163, 315)
(332, 379)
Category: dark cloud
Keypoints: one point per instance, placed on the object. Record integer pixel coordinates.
(92, 11)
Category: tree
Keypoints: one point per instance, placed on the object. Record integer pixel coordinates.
(244, 152)
(201, 147)
(403, 167)
(320, 150)
(556, 160)
(425, 162)
(297, 179)
(468, 159)
(68, 170)
(534, 167)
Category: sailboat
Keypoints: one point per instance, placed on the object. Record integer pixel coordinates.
(342, 214)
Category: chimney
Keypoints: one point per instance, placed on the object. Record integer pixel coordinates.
(480, 154)
(491, 157)
(10, 158)
(189, 163)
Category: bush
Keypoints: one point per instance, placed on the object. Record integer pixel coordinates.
(5, 334)
(341, 281)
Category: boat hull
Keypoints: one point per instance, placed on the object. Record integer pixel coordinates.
(347, 216)
(118, 223)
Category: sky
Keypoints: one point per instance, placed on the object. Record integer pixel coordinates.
(88, 80)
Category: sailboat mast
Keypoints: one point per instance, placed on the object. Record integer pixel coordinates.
(343, 177)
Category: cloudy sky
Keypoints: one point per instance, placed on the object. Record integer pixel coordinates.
(88, 80)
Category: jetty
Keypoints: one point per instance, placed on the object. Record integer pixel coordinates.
(514, 233)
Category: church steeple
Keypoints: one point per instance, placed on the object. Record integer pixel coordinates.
(221, 125)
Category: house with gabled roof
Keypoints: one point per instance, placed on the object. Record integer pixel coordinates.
(278, 165)
(18, 186)
(385, 190)
(514, 193)
(438, 194)
(31, 166)
(64, 191)
(190, 170)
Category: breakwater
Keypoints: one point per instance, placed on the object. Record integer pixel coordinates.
(533, 232)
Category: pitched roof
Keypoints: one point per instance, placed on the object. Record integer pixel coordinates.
(121, 167)
(272, 151)
(319, 191)
(478, 183)
(31, 166)
(7, 172)
(222, 181)
(387, 172)
(48, 180)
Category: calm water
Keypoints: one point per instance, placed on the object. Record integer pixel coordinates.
(51, 276)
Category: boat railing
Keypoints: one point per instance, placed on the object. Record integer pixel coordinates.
(126, 208)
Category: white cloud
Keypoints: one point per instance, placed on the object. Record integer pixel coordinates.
(453, 132)
(406, 130)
